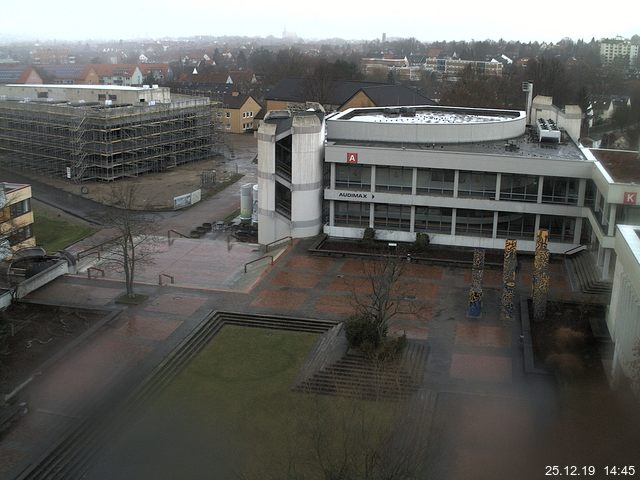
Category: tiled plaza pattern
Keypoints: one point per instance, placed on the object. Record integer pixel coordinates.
(474, 362)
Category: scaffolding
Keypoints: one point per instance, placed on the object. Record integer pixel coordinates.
(96, 142)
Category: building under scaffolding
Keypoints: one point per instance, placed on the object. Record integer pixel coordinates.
(103, 133)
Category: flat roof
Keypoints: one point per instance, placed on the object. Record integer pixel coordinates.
(521, 146)
(84, 87)
(622, 165)
(427, 114)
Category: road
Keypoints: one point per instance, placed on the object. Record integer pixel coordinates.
(211, 209)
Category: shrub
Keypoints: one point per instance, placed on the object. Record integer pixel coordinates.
(361, 332)
(421, 244)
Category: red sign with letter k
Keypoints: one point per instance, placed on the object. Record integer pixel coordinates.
(630, 198)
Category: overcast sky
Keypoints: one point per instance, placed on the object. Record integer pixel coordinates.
(425, 20)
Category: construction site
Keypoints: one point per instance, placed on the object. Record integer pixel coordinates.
(101, 133)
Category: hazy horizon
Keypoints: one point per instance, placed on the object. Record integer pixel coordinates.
(73, 20)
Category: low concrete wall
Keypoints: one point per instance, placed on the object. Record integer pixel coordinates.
(40, 279)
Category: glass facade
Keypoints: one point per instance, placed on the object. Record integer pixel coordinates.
(432, 181)
(392, 217)
(477, 184)
(351, 214)
(353, 177)
(394, 179)
(433, 219)
(560, 229)
(560, 190)
(477, 223)
(521, 188)
(516, 225)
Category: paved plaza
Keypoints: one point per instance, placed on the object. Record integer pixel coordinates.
(485, 402)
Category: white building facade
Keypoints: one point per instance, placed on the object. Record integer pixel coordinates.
(467, 177)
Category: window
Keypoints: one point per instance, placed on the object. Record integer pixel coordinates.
(353, 177)
(228, 126)
(351, 214)
(433, 219)
(394, 179)
(560, 190)
(516, 225)
(113, 97)
(20, 208)
(523, 188)
(392, 217)
(474, 222)
(43, 94)
(20, 235)
(477, 184)
(435, 182)
(227, 114)
(251, 114)
(560, 228)
(102, 96)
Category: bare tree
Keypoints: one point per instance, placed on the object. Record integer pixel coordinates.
(135, 244)
(382, 299)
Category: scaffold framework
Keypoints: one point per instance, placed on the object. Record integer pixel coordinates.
(104, 143)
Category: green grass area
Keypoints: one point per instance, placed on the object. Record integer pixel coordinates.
(231, 414)
(54, 233)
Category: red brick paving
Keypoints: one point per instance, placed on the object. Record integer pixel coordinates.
(425, 272)
(482, 335)
(151, 328)
(356, 266)
(350, 284)
(318, 264)
(295, 279)
(279, 299)
(175, 303)
(483, 368)
(334, 304)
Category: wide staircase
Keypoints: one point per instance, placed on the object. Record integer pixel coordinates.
(355, 375)
(585, 274)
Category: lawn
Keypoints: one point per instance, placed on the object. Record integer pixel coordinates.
(54, 232)
(231, 414)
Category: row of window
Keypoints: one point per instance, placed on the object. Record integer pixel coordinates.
(438, 220)
(15, 210)
(20, 235)
(430, 181)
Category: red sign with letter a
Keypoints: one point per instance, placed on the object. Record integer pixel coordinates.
(352, 158)
(630, 198)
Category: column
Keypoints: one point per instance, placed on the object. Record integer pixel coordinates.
(612, 220)
(412, 228)
(582, 190)
(494, 233)
(577, 231)
(332, 212)
(332, 182)
(540, 186)
(498, 182)
(456, 179)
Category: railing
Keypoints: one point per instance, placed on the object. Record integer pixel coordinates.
(176, 232)
(288, 237)
(95, 249)
(577, 249)
(170, 277)
(257, 260)
(90, 269)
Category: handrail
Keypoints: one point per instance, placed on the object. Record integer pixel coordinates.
(175, 231)
(96, 248)
(257, 259)
(577, 249)
(96, 269)
(170, 277)
(289, 237)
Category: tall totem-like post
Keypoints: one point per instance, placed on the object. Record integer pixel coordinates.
(475, 292)
(508, 279)
(541, 276)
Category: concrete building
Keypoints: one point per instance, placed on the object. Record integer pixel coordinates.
(453, 68)
(16, 219)
(623, 317)
(612, 48)
(290, 175)
(100, 132)
(468, 177)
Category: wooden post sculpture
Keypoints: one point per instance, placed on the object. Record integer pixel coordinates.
(509, 279)
(541, 276)
(475, 293)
